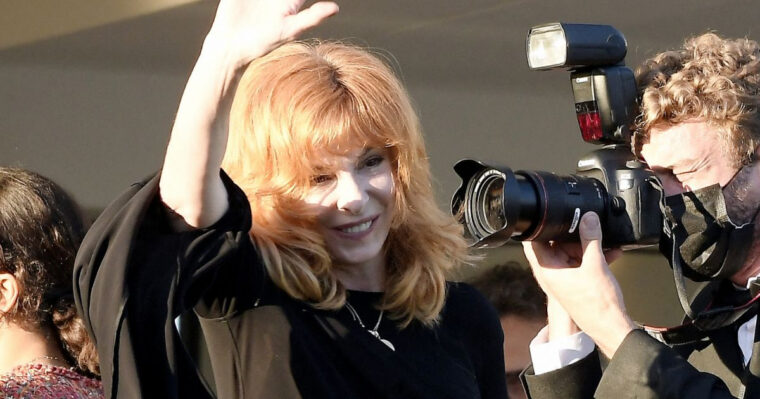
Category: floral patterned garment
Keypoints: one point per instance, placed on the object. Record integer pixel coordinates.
(48, 382)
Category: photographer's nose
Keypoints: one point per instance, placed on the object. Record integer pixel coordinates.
(349, 194)
(671, 185)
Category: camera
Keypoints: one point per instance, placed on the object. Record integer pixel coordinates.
(497, 204)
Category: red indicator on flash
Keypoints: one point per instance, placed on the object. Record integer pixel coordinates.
(591, 126)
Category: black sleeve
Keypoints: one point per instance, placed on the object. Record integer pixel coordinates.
(577, 380)
(134, 275)
(645, 368)
(642, 367)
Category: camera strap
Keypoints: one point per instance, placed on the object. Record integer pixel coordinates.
(733, 306)
(723, 305)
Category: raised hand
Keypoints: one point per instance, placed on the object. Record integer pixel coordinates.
(247, 29)
(242, 31)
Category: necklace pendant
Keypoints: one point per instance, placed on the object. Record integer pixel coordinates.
(388, 344)
(355, 316)
(384, 341)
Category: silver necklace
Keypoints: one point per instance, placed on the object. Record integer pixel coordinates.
(373, 331)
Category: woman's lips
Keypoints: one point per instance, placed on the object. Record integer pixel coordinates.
(357, 230)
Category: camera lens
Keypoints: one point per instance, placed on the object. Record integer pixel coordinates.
(561, 201)
(498, 201)
(498, 204)
(487, 208)
(493, 208)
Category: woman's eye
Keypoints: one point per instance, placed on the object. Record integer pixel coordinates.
(321, 179)
(373, 161)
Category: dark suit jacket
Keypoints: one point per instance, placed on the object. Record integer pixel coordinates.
(643, 367)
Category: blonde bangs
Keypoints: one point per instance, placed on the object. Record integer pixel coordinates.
(337, 125)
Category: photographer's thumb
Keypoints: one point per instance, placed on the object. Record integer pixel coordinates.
(590, 231)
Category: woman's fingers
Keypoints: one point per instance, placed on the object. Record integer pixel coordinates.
(309, 18)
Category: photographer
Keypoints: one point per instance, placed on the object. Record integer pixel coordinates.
(698, 131)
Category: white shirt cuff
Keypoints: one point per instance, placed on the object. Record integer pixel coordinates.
(553, 355)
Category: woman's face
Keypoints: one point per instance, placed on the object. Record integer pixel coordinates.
(354, 197)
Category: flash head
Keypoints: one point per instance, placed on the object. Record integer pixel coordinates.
(603, 87)
(561, 45)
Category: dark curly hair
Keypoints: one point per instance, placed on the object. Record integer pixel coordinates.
(512, 290)
(710, 79)
(41, 228)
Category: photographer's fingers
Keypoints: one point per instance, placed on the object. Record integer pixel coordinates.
(547, 255)
(310, 17)
(547, 260)
(611, 255)
(530, 252)
(591, 238)
(560, 323)
(530, 255)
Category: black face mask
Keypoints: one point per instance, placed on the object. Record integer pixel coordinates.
(709, 244)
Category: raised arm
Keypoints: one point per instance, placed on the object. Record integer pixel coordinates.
(242, 31)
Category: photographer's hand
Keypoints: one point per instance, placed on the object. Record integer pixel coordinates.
(577, 276)
(559, 322)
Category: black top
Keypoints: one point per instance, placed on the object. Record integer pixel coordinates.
(134, 276)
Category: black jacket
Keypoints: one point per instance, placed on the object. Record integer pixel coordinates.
(134, 276)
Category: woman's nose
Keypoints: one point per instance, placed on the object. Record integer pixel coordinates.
(350, 193)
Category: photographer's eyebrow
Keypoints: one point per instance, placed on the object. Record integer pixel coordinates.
(683, 165)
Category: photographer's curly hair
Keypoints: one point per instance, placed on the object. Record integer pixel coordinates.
(40, 231)
(301, 102)
(710, 79)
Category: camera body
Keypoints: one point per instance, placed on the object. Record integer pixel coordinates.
(633, 217)
(496, 204)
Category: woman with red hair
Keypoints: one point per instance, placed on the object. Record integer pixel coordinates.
(298, 222)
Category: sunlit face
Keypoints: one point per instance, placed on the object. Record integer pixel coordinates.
(687, 156)
(354, 197)
(518, 332)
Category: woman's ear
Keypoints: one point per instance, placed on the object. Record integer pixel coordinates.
(8, 292)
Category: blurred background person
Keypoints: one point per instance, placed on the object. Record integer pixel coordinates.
(521, 304)
(45, 351)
